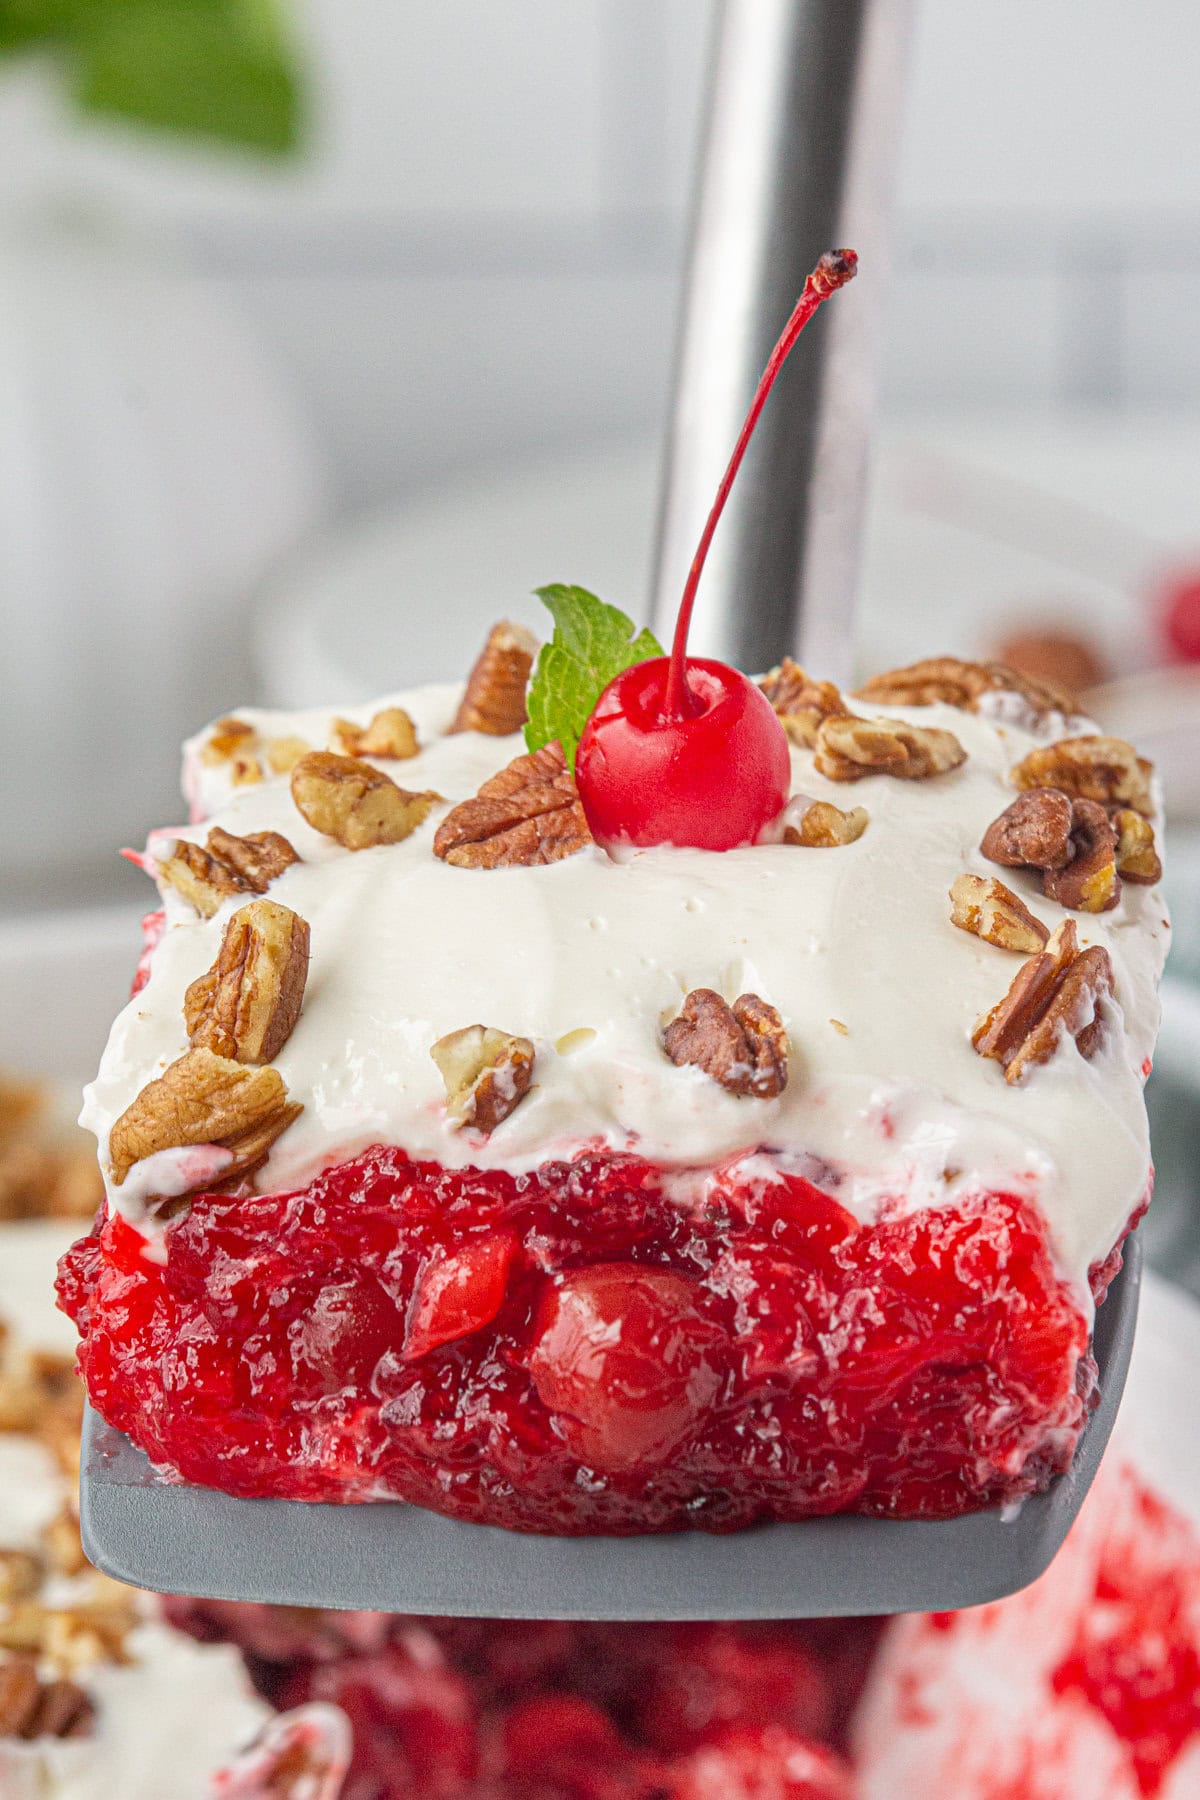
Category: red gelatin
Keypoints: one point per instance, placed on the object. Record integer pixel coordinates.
(575, 1351)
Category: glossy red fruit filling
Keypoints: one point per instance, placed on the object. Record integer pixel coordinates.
(478, 1709)
(577, 1350)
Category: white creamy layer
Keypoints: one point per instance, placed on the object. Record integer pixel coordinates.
(590, 958)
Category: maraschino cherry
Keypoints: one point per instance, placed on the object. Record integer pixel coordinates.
(684, 750)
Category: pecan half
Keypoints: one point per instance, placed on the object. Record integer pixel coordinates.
(391, 733)
(247, 1004)
(487, 1074)
(1104, 769)
(1137, 856)
(32, 1708)
(823, 826)
(953, 682)
(229, 865)
(529, 813)
(1058, 992)
(849, 748)
(1033, 833)
(1089, 882)
(494, 699)
(802, 702)
(743, 1047)
(358, 805)
(204, 1099)
(992, 911)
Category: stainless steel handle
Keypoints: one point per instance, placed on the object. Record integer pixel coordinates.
(800, 148)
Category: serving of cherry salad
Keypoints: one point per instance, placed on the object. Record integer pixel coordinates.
(721, 1102)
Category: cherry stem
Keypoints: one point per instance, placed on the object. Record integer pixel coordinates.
(835, 268)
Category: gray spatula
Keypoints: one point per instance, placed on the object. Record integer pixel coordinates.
(800, 141)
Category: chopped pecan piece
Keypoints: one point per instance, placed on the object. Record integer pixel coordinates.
(1104, 769)
(283, 753)
(247, 1004)
(802, 702)
(995, 914)
(245, 771)
(1089, 881)
(391, 734)
(823, 826)
(358, 805)
(63, 1547)
(204, 1099)
(32, 1708)
(229, 865)
(1033, 833)
(529, 813)
(91, 1630)
(1059, 992)
(743, 1047)
(20, 1575)
(487, 1074)
(847, 749)
(953, 682)
(1137, 856)
(228, 738)
(494, 699)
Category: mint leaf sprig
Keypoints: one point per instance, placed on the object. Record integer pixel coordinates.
(592, 644)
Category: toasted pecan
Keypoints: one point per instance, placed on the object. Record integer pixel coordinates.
(801, 702)
(391, 734)
(355, 803)
(204, 1099)
(246, 1005)
(849, 748)
(494, 698)
(1137, 855)
(528, 813)
(992, 911)
(1105, 769)
(1089, 882)
(487, 1074)
(228, 865)
(228, 738)
(951, 681)
(743, 1047)
(1033, 833)
(32, 1708)
(819, 825)
(1059, 992)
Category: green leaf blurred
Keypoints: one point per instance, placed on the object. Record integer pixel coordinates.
(225, 70)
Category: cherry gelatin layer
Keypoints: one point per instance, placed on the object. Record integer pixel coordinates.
(579, 1350)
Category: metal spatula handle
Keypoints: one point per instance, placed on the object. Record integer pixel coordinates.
(800, 145)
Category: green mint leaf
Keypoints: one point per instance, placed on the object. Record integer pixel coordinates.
(592, 643)
(224, 70)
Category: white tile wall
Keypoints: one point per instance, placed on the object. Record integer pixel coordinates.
(481, 251)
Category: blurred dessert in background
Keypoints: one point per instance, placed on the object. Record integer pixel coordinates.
(1063, 658)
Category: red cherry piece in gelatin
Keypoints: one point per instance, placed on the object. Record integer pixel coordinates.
(623, 1353)
(458, 1294)
(682, 750)
(711, 781)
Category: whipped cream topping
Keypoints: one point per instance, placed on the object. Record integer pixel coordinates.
(887, 1105)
